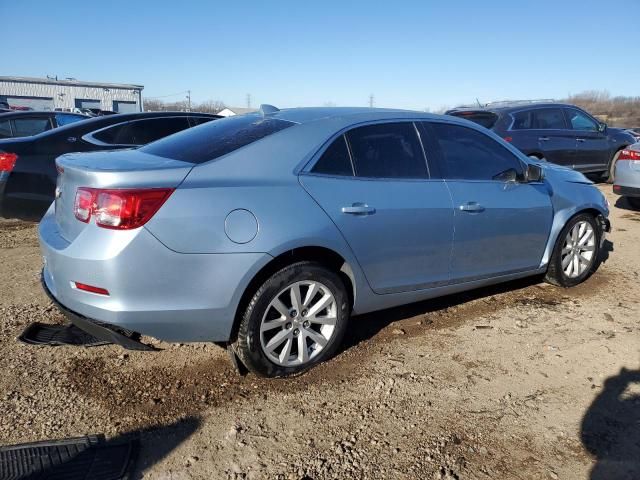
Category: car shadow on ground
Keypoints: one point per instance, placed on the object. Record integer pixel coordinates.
(623, 204)
(610, 429)
(364, 327)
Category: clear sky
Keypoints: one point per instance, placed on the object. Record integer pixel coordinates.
(409, 54)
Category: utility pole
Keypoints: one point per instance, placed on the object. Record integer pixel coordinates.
(189, 100)
(248, 100)
(371, 97)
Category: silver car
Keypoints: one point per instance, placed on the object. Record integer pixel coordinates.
(268, 231)
(627, 177)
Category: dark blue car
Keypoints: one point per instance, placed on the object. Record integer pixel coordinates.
(555, 132)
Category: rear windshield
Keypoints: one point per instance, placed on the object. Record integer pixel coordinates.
(486, 119)
(215, 139)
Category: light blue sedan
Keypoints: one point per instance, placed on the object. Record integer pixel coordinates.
(267, 231)
(627, 175)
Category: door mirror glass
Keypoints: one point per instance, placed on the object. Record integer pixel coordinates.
(534, 173)
(602, 127)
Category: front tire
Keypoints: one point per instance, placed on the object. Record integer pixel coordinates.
(296, 319)
(575, 255)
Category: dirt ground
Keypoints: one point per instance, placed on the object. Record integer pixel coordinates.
(519, 381)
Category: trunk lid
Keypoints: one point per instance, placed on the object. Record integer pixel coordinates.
(114, 169)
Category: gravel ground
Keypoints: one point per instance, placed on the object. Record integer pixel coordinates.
(522, 380)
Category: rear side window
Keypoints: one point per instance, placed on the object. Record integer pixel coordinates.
(387, 150)
(25, 127)
(215, 139)
(200, 120)
(5, 129)
(549, 118)
(522, 121)
(146, 131)
(539, 119)
(141, 132)
(485, 119)
(335, 160)
(472, 155)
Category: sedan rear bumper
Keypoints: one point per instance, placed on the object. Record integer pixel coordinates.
(626, 191)
(101, 331)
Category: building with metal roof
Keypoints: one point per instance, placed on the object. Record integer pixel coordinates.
(67, 94)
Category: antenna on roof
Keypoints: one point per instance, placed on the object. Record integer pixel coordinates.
(266, 109)
(478, 102)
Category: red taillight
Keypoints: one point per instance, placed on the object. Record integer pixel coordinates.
(119, 209)
(508, 139)
(629, 155)
(7, 161)
(91, 288)
(83, 204)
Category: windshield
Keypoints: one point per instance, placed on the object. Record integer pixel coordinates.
(215, 139)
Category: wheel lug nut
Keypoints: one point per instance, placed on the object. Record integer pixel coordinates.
(296, 332)
(306, 324)
(304, 313)
(293, 313)
(288, 325)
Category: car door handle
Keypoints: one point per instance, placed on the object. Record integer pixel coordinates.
(580, 140)
(359, 209)
(472, 207)
(543, 139)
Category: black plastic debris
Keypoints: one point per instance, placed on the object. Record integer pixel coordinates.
(43, 334)
(82, 458)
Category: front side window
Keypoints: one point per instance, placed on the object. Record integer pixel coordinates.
(471, 155)
(387, 150)
(5, 129)
(548, 119)
(335, 160)
(580, 121)
(25, 127)
(215, 139)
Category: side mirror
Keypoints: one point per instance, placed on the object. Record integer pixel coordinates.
(602, 127)
(534, 173)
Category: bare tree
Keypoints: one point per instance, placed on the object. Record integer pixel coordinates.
(209, 106)
(616, 111)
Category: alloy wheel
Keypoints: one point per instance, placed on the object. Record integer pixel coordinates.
(298, 323)
(579, 249)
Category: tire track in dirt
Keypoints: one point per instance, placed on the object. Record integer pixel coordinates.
(135, 394)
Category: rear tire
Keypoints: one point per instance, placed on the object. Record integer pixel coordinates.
(576, 253)
(296, 319)
(612, 167)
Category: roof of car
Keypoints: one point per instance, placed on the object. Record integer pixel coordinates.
(509, 107)
(37, 113)
(311, 114)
